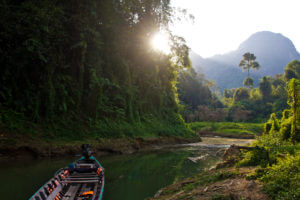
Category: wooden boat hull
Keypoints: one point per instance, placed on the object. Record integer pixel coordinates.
(82, 180)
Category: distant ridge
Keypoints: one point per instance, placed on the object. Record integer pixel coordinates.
(273, 51)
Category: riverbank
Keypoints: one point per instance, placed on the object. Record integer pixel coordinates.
(267, 169)
(38, 149)
(222, 182)
(227, 129)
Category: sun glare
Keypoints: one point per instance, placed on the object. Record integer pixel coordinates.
(160, 42)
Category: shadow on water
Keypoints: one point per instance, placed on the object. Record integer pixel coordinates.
(128, 177)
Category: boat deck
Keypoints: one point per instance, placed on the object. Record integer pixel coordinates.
(80, 183)
(82, 180)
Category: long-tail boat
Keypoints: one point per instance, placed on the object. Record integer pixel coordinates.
(81, 180)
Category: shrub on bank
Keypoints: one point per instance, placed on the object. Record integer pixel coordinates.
(268, 148)
(282, 181)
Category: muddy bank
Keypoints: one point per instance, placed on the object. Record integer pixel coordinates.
(227, 135)
(36, 149)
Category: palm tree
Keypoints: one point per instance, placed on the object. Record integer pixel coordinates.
(247, 63)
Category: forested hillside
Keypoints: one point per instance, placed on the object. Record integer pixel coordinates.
(77, 68)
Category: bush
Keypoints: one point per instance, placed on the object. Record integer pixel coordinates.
(258, 156)
(271, 144)
(282, 181)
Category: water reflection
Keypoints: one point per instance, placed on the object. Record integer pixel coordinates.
(128, 177)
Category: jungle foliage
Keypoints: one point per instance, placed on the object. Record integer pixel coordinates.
(74, 68)
(277, 150)
(202, 101)
(236, 104)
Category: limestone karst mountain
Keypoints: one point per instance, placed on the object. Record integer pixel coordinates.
(273, 51)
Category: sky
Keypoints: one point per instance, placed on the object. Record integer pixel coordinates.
(221, 25)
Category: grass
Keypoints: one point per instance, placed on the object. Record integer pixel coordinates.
(228, 128)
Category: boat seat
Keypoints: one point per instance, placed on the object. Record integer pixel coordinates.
(83, 170)
(84, 165)
(87, 175)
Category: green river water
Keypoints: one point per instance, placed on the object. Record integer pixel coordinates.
(127, 177)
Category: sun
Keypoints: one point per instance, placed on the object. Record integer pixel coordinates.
(160, 42)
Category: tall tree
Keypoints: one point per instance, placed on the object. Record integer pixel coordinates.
(249, 61)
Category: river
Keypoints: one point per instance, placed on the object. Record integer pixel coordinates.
(128, 177)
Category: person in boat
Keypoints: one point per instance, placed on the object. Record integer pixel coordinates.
(86, 151)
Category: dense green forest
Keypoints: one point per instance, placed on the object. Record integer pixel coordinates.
(86, 68)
